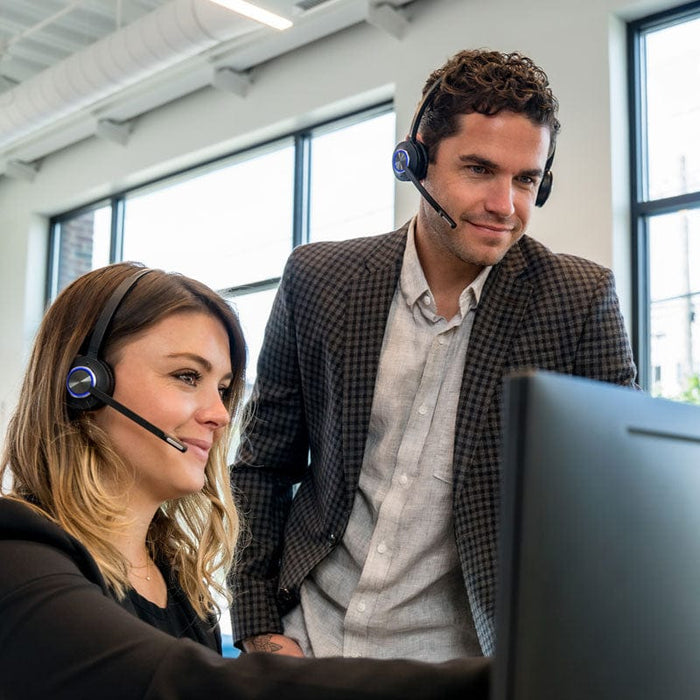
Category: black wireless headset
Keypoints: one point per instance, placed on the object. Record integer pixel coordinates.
(90, 380)
(410, 160)
(545, 187)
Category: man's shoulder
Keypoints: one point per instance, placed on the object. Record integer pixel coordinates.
(345, 257)
(543, 264)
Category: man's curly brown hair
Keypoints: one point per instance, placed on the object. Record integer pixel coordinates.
(487, 82)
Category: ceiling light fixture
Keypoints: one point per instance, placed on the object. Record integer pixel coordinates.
(248, 9)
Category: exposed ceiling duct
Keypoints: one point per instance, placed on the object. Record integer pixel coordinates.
(168, 35)
(179, 47)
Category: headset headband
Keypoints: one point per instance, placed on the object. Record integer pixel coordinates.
(98, 334)
(425, 103)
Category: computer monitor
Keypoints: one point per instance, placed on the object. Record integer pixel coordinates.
(599, 585)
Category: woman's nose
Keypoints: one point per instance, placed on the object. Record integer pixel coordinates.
(214, 411)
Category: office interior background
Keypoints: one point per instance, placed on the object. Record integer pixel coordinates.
(177, 133)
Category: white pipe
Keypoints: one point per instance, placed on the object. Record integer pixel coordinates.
(160, 39)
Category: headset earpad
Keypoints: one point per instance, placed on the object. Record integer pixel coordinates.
(544, 189)
(410, 155)
(84, 374)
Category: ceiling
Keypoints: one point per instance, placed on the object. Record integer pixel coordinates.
(70, 69)
(37, 34)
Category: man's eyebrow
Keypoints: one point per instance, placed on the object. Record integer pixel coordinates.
(198, 359)
(533, 172)
(478, 160)
(486, 163)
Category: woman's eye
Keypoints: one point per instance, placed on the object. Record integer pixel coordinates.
(189, 377)
(224, 392)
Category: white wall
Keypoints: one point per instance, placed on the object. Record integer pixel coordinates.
(580, 43)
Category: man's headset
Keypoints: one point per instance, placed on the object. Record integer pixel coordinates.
(410, 160)
(90, 380)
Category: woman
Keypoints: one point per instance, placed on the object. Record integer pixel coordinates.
(154, 519)
(118, 523)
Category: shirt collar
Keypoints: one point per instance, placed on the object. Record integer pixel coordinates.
(414, 285)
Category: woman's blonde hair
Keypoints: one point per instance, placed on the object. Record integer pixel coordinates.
(63, 464)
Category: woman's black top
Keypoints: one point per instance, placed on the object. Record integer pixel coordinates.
(177, 618)
(64, 637)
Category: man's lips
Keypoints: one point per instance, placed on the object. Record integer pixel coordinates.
(491, 227)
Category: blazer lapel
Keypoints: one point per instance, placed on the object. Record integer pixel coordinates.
(369, 297)
(501, 308)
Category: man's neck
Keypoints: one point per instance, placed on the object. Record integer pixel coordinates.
(447, 276)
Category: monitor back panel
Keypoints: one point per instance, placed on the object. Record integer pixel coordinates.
(599, 588)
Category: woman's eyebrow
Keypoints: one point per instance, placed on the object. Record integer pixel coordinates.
(198, 359)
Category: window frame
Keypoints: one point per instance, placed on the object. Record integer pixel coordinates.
(642, 208)
(301, 140)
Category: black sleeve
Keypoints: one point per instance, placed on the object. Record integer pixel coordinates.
(62, 638)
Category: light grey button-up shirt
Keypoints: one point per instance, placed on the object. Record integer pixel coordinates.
(393, 587)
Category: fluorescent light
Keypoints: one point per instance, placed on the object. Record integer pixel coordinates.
(248, 9)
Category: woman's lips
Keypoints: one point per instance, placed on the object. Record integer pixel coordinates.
(200, 448)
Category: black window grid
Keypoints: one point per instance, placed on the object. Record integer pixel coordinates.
(302, 140)
(643, 208)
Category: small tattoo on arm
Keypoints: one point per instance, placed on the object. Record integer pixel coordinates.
(264, 643)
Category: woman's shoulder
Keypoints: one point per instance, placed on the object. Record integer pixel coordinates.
(21, 520)
(22, 524)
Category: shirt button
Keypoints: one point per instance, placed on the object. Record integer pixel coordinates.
(381, 548)
(422, 410)
(403, 480)
(426, 300)
(361, 606)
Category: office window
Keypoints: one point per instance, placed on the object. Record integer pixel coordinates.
(231, 224)
(352, 185)
(664, 53)
(80, 243)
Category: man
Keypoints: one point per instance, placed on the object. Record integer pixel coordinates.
(379, 387)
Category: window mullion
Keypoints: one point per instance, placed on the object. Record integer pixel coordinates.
(302, 188)
(642, 301)
(116, 246)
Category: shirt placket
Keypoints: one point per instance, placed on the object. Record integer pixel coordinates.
(363, 604)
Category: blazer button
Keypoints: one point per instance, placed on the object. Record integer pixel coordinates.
(332, 539)
(284, 595)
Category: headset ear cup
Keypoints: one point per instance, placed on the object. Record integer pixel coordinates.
(84, 374)
(544, 189)
(410, 155)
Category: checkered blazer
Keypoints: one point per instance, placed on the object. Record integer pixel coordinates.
(311, 405)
